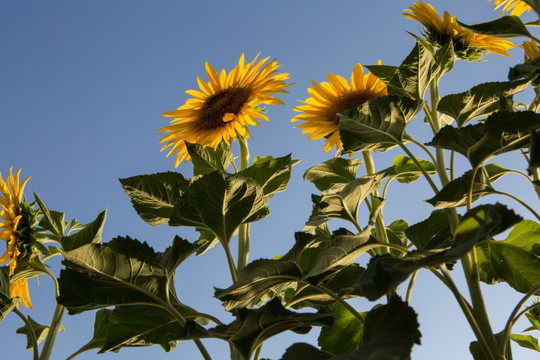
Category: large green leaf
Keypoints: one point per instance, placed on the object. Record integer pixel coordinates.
(386, 272)
(101, 324)
(481, 100)
(502, 132)
(256, 282)
(153, 196)
(377, 124)
(415, 73)
(253, 327)
(515, 260)
(333, 171)
(52, 221)
(121, 272)
(206, 160)
(431, 233)
(384, 72)
(406, 171)
(526, 341)
(455, 192)
(445, 58)
(340, 202)
(174, 255)
(390, 331)
(89, 234)
(272, 174)
(344, 335)
(220, 202)
(505, 26)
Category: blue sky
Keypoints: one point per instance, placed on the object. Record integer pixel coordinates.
(83, 86)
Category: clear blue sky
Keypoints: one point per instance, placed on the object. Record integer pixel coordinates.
(83, 85)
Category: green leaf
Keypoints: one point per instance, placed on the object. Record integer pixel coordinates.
(6, 302)
(384, 72)
(505, 27)
(121, 272)
(515, 260)
(28, 268)
(333, 171)
(153, 196)
(378, 124)
(396, 235)
(344, 335)
(174, 255)
(386, 272)
(340, 202)
(52, 220)
(415, 73)
(406, 171)
(206, 160)
(40, 331)
(481, 100)
(271, 174)
(390, 331)
(220, 202)
(454, 194)
(206, 241)
(528, 70)
(256, 282)
(431, 233)
(101, 324)
(253, 327)
(526, 341)
(89, 234)
(445, 58)
(502, 132)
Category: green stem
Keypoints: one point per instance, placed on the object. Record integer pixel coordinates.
(182, 321)
(53, 331)
(421, 146)
(243, 232)
(257, 353)
(409, 288)
(33, 337)
(230, 262)
(380, 228)
(420, 167)
(342, 302)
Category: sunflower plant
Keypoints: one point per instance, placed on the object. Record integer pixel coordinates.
(132, 286)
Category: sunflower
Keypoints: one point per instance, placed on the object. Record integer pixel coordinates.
(515, 7)
(224, 106)
(320, 112)
(532, 50)
(11, 194)
(467, 44)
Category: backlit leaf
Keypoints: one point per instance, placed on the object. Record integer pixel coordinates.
(272, 174)
(333, 171)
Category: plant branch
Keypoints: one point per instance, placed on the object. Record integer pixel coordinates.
(33, 337)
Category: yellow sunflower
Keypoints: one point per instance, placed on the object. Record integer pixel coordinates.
(224, 106)
(467, 44)
(320, 112)
(515, 7)
(532, 50)
(11, 194)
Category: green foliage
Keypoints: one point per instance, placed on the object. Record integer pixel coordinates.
(505, 27)
(220, 202)
(39, 330)
(271, 174)
(344, 335)
(406, 171)
(332, 172)
(481, 100)
(6, 302)
(206, 160)
(378, 124)
(154, 196)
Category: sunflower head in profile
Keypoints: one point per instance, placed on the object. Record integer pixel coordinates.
(514, 7)
(13, 224)
(224, 106)
(467, 44)
(320, 111)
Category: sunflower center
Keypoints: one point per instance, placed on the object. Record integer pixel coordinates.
(227, 101)
(348, 101)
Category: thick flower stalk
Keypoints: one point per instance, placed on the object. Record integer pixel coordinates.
(224, 106)
(514, 7)
(11, 197)
(467, 44)
(320, 111)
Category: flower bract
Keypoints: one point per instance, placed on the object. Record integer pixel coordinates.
(11, 194)
(320, 111)
(467, 44)
(515, 7)
(224, 106)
